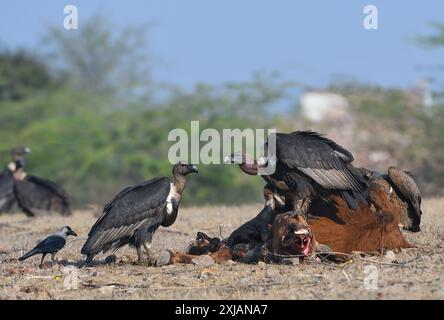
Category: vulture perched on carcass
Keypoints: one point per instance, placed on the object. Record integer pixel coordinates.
(34, 195)
(134, 215)
(306, 165)
(403, 192)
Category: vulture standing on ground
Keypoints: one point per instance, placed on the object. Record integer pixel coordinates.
(136, 213)
(7, 197)
(34, 195)
(38, 196)
(403, 192)
(307, 165)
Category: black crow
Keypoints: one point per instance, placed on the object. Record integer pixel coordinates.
(52, 244)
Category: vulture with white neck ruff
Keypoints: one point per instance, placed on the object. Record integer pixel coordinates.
(306, 165)
(134, 215)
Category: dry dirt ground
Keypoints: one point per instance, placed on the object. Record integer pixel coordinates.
(416, 273)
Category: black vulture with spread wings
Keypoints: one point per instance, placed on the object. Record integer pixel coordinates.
(306, 165)
(134, 215)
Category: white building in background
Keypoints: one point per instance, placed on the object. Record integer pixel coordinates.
(318, 106)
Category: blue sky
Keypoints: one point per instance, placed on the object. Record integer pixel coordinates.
(311, 42)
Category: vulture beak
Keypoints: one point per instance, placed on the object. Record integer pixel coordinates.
(194, 169)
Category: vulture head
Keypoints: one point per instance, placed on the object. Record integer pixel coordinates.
(17, 155)
(184, 169)
(19, 152)
(245, 162)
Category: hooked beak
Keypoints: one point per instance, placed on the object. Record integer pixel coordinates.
(194, 169)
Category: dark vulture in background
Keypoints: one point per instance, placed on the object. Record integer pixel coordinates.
(35, 196)
(307, 165)
(403, 192)
(136, 213)
(7, 198)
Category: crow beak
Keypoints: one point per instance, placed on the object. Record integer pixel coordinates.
(194, 168)
(72, 233)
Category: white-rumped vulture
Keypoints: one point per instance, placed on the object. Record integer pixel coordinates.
(134, 215)
(307, 165)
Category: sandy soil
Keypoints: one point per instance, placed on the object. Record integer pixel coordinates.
(416, 273)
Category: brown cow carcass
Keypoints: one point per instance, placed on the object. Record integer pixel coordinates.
(330, 225)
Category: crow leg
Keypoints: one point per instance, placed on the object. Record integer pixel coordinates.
(53, 257)
(41, 261)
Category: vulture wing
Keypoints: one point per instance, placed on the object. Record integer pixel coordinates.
(321, 159)
(407, 187)
(37, 196)
(132, 207)
(6, 190)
